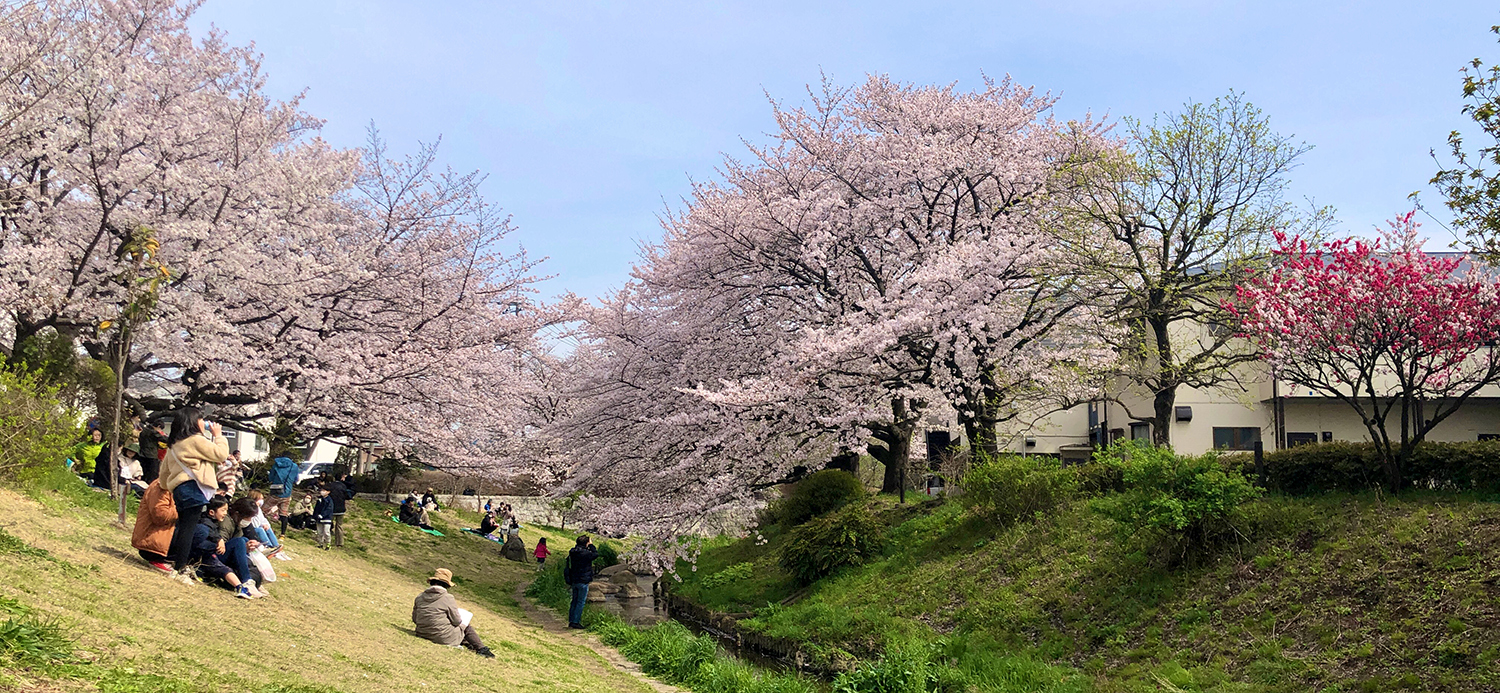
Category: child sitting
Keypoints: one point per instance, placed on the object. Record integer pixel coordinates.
(210, 550)
(260, 527)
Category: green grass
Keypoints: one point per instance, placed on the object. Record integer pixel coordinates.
(80, 612)
(1332, 593)
(669, 651)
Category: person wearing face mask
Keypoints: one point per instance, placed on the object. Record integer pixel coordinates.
(260, 528)
(211, 550)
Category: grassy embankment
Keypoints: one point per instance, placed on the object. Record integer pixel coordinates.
(80, 612)
(1332, 593)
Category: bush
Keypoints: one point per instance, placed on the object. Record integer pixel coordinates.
(1344, 466)
(608, 555)
(1189, 500)
(35, 429)
(1009, 487)
(822, 546)
(817, 495)
(728, 576)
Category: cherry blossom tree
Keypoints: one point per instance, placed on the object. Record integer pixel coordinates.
(330, 292)
(1381, 326)
(887, 250)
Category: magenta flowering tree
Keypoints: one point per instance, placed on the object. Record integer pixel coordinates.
(1403, 337)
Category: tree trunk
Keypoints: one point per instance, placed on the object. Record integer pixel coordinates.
(1162, 406)
(845, 461)
(1166, 395)
(896, 454)
(980, 430)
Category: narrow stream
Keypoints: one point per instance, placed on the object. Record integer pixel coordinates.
(652, 608)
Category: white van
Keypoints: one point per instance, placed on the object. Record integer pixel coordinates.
(312, 470)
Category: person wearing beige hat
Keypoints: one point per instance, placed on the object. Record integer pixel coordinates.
(438, 618)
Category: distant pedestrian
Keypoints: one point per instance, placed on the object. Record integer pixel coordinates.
(541, 552)
(338, 495)
(578, 573)
(323, 515)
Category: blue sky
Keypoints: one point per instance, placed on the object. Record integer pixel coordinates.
(591, 118)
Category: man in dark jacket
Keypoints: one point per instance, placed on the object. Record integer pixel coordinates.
(153, 444)
(338, 492)
(579, 572)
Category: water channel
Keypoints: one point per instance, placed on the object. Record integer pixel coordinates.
(655, 607)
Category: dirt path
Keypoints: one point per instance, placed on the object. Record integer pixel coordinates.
(552, 623)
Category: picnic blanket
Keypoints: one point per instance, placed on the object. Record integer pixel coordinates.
(433, 532)
(491, 537)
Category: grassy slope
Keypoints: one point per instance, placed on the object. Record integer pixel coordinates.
(337, 621)
(1334, 593)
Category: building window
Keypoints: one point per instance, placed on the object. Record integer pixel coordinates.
(261, 444)
(1236, 438)
(1140, 431)
(1295, 439)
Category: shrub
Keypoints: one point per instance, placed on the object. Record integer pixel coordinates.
(1344, 466)
(608, 555)
(729, 575)
(35, 429)
(816, 495)
(822, 546)
(1009, 487)
(1191, 501)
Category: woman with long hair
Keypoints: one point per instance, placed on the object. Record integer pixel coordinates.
(194, 450)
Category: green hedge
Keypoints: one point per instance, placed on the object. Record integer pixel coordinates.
(1342, 466)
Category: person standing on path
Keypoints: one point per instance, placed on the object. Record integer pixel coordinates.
(283, 482)
(189, 472)
(578, 573)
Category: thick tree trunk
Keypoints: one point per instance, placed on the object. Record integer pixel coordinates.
(981, 433)
(1165, 396)
(1162, 410)
(896, 439)
(846, 460)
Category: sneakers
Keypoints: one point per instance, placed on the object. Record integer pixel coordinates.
(243, 592)
(576, 626)
(485, 652)
(255, 590)
(183, 576)
(163, 568)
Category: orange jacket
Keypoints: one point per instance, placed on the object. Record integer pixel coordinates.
(154, 521)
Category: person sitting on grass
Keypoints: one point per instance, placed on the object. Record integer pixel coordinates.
(86, 454)
(210, 551)
(413, 514)
(302, 512)
(260, 527)
(438, 618)
(487, 525)
(155, 520)
(429, 501)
